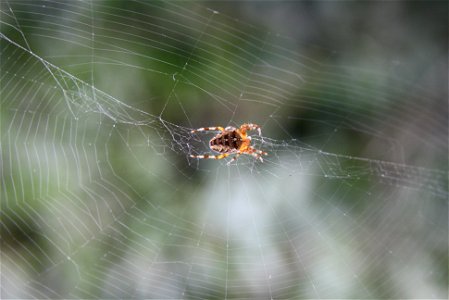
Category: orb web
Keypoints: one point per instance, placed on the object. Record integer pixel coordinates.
(100, 197)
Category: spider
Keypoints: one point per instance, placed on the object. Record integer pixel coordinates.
(231, 140)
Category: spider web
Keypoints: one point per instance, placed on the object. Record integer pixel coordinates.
(100, 197)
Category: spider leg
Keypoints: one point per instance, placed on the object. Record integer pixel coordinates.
(260, 152)
(257, 156)
(208, 156)
(257, 153)
(252, 150)
(250, 126)
(218, 128)
(234, 158)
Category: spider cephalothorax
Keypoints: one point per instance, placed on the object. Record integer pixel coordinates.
(231, 140)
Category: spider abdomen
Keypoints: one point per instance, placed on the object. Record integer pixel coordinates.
(226, 142)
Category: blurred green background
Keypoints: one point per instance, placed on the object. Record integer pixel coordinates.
(100, 198)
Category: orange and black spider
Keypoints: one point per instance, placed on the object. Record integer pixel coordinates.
(231, 140)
